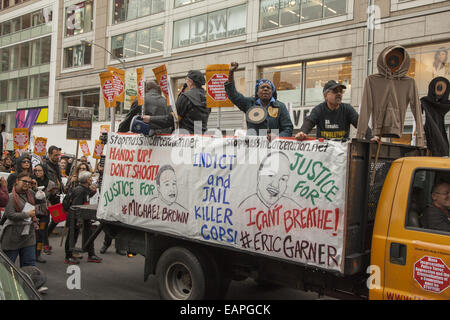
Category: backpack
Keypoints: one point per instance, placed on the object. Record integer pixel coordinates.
(67, 201)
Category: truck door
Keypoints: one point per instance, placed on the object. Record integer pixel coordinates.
(417, 257)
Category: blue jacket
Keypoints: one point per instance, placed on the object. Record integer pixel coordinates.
(279, 118)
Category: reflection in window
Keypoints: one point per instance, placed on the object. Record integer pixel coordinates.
(287, 81)
(43, 84)
(34, 86)
(45, 50)
(179, 3)
(215, 25)
(428, 62)
(23, 88)
(138, 43)
(320, 72)
(77, 56)
(12, 89)
(126, 10)
(279, 13)
(90, 99)
(79, 18)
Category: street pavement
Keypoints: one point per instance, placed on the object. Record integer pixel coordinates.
(122, 278)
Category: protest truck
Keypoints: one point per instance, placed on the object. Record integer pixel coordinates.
(326, 216)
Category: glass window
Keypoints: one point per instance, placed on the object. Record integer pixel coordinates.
(181, 33)
(427, 63)
(117, 46)
(320, 72)
(35, 52)
(77, 56)
(158, 6)
(198, 29)
(145, 7)
(334, 7)
(129, 47)
(311, 10)
(179, 3)
(14, 58)
(15, 25)
(429, 192)
(45, 50)
(6, 28)
(4, 59)
(269, 14)
(287, 80)
(289, 12)
(12, 89)
(23, 88)
(4, 91)
(157, 39)
(79, 18)
(37, 18)
(120, 11)
(72, 100)
(89, 99)
(217, 25)
(43, 84)
(132, 9)
(24, 55)
(236, 21)
(26, 21)
(143, 42)
(34, 86)
(92, 100)
(47, 14)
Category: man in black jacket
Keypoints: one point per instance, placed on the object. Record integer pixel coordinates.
(80, 196)
(191, 108)
(436, 215)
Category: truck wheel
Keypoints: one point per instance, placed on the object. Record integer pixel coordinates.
(180, 275)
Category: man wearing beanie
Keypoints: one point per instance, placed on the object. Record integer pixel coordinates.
(191, 107)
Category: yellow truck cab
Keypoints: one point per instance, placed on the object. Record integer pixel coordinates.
(413, 260)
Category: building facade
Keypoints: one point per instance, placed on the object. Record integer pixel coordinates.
(298, 44)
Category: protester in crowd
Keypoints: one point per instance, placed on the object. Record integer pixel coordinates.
(278, 121)
(18, 234)
(84, 160)
(436, 215)
(63, 167)
(191, 108)
(2, 138)
(332, 118)
(23, 164)
(53, 173)
(50, 190)
(7, 164)
(72, 182)
(80, 196)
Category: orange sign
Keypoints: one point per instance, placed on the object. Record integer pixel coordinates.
(105, 128)
(163, 80)
(118, 83)
(107, 84)
(85, 148)
(40, 145)
(216, 76)
(21, 139)
(98, 150)
(140, 86)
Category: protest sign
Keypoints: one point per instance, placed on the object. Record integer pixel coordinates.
(140, 82)
(163, 80)
(21, 138)
(130, 88)
(118, 84)
(85, 148)
(216, 76)
(79, 123)
(107, 85)
(105, 128)
(40, 145)
(283, 198)
(98, 149)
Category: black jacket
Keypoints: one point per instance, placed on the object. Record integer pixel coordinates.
(54, 174)
(81, 195)
(13, 176)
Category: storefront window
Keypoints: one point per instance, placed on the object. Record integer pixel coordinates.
(287, 81)
(279, 13)
(79, 18)
(138, 43)
(320, 72)
(208, 27)
(90, 99)
(77, 56)
(126, 10)
(180, 3)
(427, 63)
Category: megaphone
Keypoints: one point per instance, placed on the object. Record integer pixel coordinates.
(139, 126)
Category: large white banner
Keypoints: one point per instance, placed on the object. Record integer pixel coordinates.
(284, 199)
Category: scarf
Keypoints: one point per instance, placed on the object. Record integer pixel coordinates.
(260, 82)
(18, 207)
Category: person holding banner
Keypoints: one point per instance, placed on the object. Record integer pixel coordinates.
(191, 108)
(278, 121)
